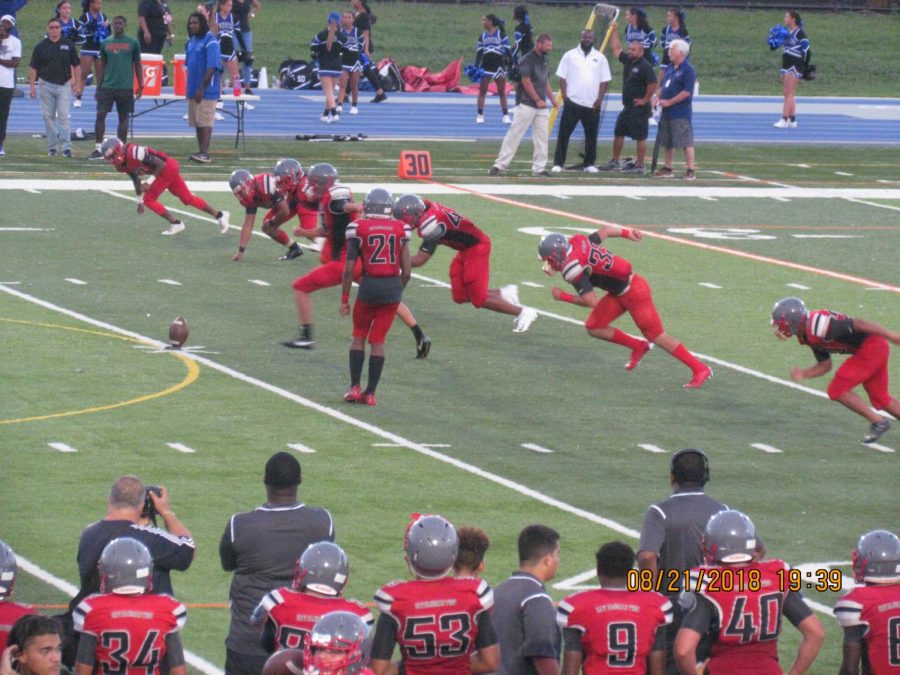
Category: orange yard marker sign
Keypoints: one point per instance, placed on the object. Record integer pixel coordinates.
(414, 164)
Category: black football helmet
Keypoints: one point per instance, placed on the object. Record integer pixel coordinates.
(553, 249)
(788, 316)
(7, 570)
(730, 537)
(431, 547)
(409, 209)
(126, 567)
(876, 558)
(288, 173)
(378, 202)
(322, 568)
(339, 644)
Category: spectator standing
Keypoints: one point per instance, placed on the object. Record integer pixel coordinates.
(54, 65)
(523, 610)
(10, 611)
(204, 68)
(523, 36)
(261, 547)
(676, 29)
(351, 67)
(638, 29)
(364, 19)
(327, 48)
(584, 77)
(223, 25)
(638, 87)
(492, 54)
(473, 544)
(118, 67)
(10, 57)
(93, 28)
(35, 647)
(155, 29)
(676, 128)
(9, 8)
(69, 27)
(794, 57)
(532, 92)
(244, 11)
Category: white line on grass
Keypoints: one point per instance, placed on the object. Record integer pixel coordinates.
(181, 447)
(782, 199)
(799, 166)
(537, 448)
(386, 445)
(531, 284)
(707, 198)
(880, 448)
(299, 447)
(259, 282)
(170, 282)
(800, 286)
(842, 173)
(772, 450)
(26, 229)
(709, 285)
(77, 282)
(880, 206)
(12, 283)
(826, 236)
(649, 447)
(62, 447)
(71, 590)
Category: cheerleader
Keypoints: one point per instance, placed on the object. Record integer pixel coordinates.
(794, 52)
(221, 24)
(638, 30)
(351, 67)
(676, 29)
(93, 29)
(326, 48)
(523, 33)
(492, 55)
(364, 20)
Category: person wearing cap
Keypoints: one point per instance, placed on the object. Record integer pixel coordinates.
(261, 547)
(10, 55)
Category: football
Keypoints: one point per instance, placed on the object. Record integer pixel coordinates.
(284, 662)
(178, 332)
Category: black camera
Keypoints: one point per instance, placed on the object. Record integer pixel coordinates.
(149, 510)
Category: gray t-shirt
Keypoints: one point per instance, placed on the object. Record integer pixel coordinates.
(262, 547)
(525, 619)
(536, 68)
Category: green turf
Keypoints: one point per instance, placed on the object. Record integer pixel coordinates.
(730, 51)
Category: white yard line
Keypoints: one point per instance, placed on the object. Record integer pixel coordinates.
(649, 447)
(537, 448)
(181, 447)
(61, 447)
(299, 447)
(771, 449)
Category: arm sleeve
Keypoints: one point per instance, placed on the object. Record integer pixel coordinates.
(226, 547)
(87, 649)
(659, 643)
(541, 634)
(699, 617)
(487, 634)
(267, 637)
(572, 640)
(174, 650)
(385, 638)
(795, 609)
(352, 249)
(820, 354)
(171, 552)
(855, 633)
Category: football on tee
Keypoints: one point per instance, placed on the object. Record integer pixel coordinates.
(178, 332)
(284, 662)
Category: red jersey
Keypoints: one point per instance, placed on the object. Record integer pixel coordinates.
(442, 225)
(745, 623)
(380, 241)
(10, 612)
(588, 265)
(872, 613)
(294, 614)
(136, 159)
(830, 332)
(618, 627)
(265, 193)
(131, 630)
(435, 622)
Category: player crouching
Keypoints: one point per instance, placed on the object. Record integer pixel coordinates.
(262, 190)
(125, 628)
(139, 160)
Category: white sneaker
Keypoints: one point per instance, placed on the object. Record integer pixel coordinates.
(174, 228)
(249, 106)
(510, 294)
(479, 119)
(556, 169)
(223, 222)
(339, 109)
(325, 118)
(590, 168)
(507, 119)
(76, 103)
(653, 122)
(525, 319)
(184, 117)
(335, 118)
(792, 125)
(782, 124)
(220, 116)
(354, 110)
(220, 105)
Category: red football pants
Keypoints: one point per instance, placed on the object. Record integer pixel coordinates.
(470, 274)
(170, 179)
(373, 321)
(868, 367)
(326, 276)
(637, 301)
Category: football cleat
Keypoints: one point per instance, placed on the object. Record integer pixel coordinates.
(876, 431)
(510, 293)
(423, 347)
(524, 320)
(638, 354)
(223, 222)
(175, 228)
(369, 398)
(699, 378)
(293, 252)
(353, 394)
(300, 343)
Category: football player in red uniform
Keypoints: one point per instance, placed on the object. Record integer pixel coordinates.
(10, 611)
(288, 614)
(828, 333)
(470, 270)
(35, 647)
(319, 192)
(262, 190)
(738, 601)
(339, 645)
(870, 613)
(124, 628)
(140, 160)
(382, 244)
(586, 264)
(442, 624)
(613, 629)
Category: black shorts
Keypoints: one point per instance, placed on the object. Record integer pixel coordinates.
(123, 98)
(380, 290)
(633, 122)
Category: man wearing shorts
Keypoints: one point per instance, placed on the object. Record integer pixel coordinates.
(676, 130)
(120, 61)
(204, 68)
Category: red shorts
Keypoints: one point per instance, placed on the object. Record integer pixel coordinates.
(326, 276)
(637, 301)
(470, 274)
(373, 321)
(868, 367)
(170, 179)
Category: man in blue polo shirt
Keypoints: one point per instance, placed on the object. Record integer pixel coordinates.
(675, 98)
(203, 61)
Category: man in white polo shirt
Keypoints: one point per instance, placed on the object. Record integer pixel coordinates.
(10, 56)
(583, 78)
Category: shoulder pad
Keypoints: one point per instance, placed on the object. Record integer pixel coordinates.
(340, 192)
(572, 270)
(687, 600)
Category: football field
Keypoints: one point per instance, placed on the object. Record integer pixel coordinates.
(493, 429)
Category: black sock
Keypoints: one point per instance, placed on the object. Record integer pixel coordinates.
(357, 358)
(793, 118)
(481, 111)
(218, 215)
(417, 333)
(376, 364)
(306, 331)
(506, 112)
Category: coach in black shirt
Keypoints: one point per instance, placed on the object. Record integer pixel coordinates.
(55, 64)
